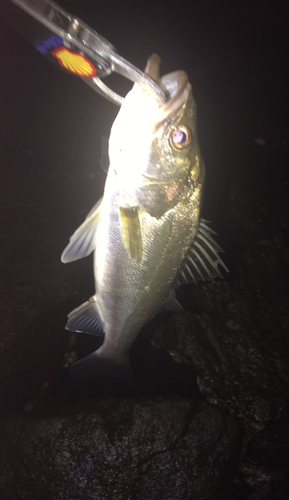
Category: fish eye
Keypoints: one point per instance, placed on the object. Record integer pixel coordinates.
(180, 137)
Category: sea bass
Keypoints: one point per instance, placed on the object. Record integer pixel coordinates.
(146, 232)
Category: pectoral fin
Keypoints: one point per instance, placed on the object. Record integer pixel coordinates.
(131, 231)
(83, 241)
(202, 259)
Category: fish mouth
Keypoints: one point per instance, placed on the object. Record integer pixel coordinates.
(179, 89)
(176, 87)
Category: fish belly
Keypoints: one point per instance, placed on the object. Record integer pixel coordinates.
(129, 293)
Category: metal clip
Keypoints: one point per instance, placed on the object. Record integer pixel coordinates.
(61, 31)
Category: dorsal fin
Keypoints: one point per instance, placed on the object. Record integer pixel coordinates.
(202, 259)
(83, 242)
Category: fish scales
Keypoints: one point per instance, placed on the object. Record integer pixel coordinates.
(143, 230)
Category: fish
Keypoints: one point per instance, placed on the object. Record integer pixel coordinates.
(146, 231)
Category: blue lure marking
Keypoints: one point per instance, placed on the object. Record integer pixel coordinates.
(52, 42)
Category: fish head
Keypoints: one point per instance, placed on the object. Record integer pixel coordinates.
(153, 148)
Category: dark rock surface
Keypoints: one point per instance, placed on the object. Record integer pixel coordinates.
(266, 460)
(207, 416)
(120, 449)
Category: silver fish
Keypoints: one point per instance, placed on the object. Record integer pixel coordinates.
(146, 231)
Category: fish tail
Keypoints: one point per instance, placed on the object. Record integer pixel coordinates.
(95, 365)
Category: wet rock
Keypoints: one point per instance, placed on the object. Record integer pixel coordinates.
(113, 449)
(264, 468)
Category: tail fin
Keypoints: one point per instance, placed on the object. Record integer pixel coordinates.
(94, 365)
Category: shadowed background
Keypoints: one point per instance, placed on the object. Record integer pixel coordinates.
(236, 56)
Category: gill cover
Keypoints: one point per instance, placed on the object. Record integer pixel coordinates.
(152, 146)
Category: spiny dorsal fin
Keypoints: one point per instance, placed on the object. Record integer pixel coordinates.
(83, 242)
(85, 319)
(202, 259)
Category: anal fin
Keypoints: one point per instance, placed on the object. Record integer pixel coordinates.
(86, 319)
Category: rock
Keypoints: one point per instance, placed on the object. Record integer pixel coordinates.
(264, 468)
(112, 449)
